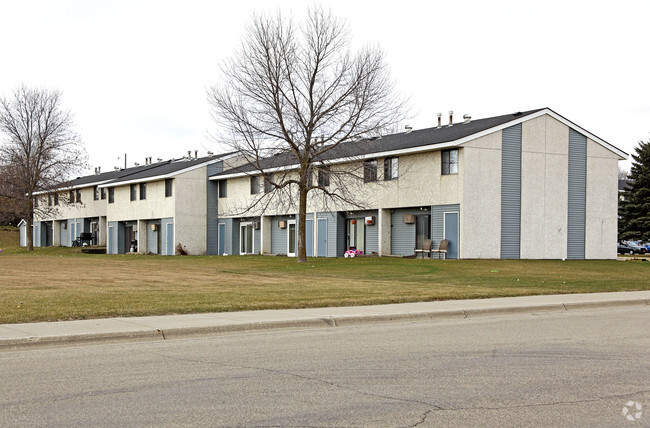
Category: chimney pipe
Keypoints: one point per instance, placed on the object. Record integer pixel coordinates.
(196, 154)
(439, 120)
(451, 118)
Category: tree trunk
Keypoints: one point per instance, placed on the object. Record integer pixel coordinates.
(302, 214)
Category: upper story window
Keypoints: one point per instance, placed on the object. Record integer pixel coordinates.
(323, 176)
(223, 188)
(96, 193)
(143, 191)
(134, 192)
(103, 192)
(391, 168)
(255, 184)
(35, 201)
(168, 187)
(56, 199)
(78, 195)
(50, 198)
(370, 171)
(111, 195)
(72, 195)
(450, 162)
(267, 184)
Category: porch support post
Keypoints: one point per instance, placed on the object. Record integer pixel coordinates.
(265, 238)
(384, 223)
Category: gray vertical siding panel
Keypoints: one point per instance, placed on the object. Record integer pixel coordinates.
(279, 236)
(402, 234)
(112, 238)
(372, 238)
(438, 221)
(340, 235)
(511, 192)
(212, 223)
(577, 200)
(331, 242)
(257, 237)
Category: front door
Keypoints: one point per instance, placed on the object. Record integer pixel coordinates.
(452, 227)
(222, 238)
(291, 238)
(356, 234)
(170, 239)
(422, 230)
(309, 237)
(322, 237)
(246, 238)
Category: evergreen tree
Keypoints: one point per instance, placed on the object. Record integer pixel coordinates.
(634, 210)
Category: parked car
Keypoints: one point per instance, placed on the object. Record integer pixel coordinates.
(628, 247)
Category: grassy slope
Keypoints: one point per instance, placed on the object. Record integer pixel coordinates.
(62, 283)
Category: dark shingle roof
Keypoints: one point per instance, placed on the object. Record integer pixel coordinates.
(388, 143)
(142, 172)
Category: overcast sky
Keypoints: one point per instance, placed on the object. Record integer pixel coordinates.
(135, 73)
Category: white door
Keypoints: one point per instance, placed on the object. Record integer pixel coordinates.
(291, 238)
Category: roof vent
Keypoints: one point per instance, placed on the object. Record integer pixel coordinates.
(159, 159)
(439, 120)
(408, 129)
(136, 163)
(467, 118)
(98, 170)
(517, 114)
(451, 118)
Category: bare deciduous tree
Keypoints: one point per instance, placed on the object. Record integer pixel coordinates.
(39, 150)
(298, 95)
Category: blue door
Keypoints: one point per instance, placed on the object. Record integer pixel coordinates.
(321, 239)
(309, 237)
(222, 239)
(170, 239)
(73, 232)
(451, 233)
(111, 240)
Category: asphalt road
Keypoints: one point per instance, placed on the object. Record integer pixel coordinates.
(564, 369)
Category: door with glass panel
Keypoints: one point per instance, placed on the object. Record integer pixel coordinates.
(291, 238)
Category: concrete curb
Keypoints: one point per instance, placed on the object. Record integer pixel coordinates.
(228, 323)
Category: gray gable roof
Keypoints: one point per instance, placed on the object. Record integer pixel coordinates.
(142, 172)
(394, 142)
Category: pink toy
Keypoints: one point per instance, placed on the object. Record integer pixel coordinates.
(352, 253)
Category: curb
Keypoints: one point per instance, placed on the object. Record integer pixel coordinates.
(149, 334)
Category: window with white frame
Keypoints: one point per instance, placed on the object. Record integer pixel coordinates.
(391, 168)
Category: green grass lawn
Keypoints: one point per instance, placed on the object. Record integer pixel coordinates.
(62, 283)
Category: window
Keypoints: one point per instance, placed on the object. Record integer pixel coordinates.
(96, 193)
(36, 202)
(324, 176)
(56, 199)
(78, 195)
(72, 194)
(370, 171)
(143, 191)
(223, 188)
(134, 192)
(111, 195)
(103, 192)
(168, 187)
(49, 200)
(391, 168)
(255, 184)
(450, 162)
(267, 185)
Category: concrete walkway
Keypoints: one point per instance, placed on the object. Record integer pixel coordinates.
(13, 336)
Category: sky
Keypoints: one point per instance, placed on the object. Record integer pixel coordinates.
(135, 73)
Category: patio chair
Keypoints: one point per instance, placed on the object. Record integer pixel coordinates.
(426, 248)
(442, 249)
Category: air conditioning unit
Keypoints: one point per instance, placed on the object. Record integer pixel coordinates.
(408, 218)
(282, 224)
(370, 220)
(155, 227)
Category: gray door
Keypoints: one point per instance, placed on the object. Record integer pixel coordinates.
(73, 232)
(222, 238)
(111, 240)
(451, 233)
(322, 237)
(170, 239)
(309, 237)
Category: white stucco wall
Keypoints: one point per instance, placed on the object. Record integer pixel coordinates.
(87, 208)
(481, 207)
(602, 202)
(155, 206)
(544, 191)
(190, 220)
